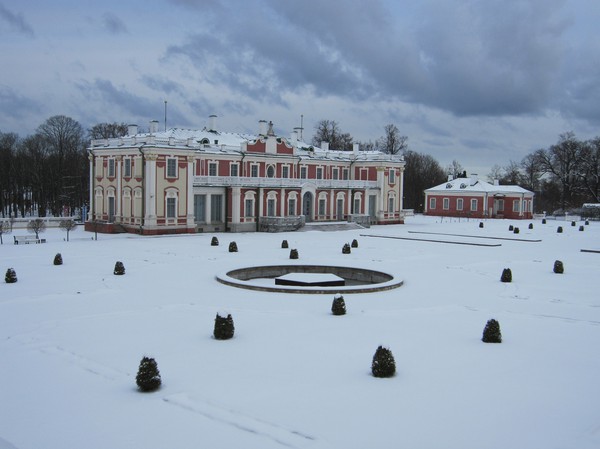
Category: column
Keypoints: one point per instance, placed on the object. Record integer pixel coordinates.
(236, 193)
(150, 199)
(190, 192)
(119, 193)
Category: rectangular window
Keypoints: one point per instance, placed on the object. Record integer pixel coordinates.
(234, 170)
(364, 174)
(446, 204)
(285, 171)
(291, 206)
(319, 173)
(392, 178)
(303, 172)
(322, 205)
(216, 208)
(249, 208)
(127, 167)
(516, 206)
(254, 171)
(356, 206)
(111, 168)
(212, 169)
(500, 205)
(200, 208)
(171, 167)
(391, 207)
(345, 174)
(473, 205)
(270, 207)
(459, 204)
(431, 203)
(334, 173)
(171, 211)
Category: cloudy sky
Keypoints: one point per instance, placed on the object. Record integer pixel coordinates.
(480, 81)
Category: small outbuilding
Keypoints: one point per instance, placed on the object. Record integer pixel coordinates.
(475, 198)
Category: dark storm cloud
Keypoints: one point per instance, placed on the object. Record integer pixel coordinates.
(129, 102)
(468, 58)
(113, 23)
(161, 84)
(15, 20)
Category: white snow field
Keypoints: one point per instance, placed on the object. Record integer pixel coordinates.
(294, 375)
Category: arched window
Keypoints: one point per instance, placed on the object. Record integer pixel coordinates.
(270, 171)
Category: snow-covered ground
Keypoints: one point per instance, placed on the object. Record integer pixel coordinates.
(294, 375)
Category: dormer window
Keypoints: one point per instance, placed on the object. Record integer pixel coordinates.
(463, 186)
(448, 186)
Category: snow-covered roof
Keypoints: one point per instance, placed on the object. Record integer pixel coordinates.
(476, 185)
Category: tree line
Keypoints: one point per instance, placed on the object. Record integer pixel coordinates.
(47, 173)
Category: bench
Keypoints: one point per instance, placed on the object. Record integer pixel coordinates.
(26, 239)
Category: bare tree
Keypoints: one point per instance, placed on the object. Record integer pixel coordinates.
(456, 170)
(392, 142)
(107, 130)
(329, 131)
(495, 173)
(68, 226)
(36, 226)
(512, 174)
(4, 229)
(591, 169)
(532, 172)
(422, 172)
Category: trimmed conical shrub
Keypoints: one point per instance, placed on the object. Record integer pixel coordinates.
(587, 222)
(354, 243)
(233, 247)
(559, 229)
(581, 228)
(11, 276)
(530, 225)
(506, 275)
(543, 221)
(338, 306)
(148, 376)
(573, 223)
(481, 224)
(293, 254)
(58, 259)
(511, 228)
(559, 268)
(214, 241)
(491, 332)
(284, 244)
(516, 230)
(119, 268)
(346, 249)
(383, 364)
(224, 327)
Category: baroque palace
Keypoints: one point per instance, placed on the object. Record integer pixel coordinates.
(187, 181)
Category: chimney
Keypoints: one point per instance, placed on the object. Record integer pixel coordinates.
(298, 132)
(153, 126)
(262, 127)
(450, 177)
(325, 146)
(355, 148)
(212, 122)
(496, 182)
(294, 136)
(132, 130)
(474, 178)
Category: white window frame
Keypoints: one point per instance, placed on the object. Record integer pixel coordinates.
(319, 173)
(111, 168)
(234, 169)
(213, 168)
(392, 177)
(303, 172)
(127, 167)
(432, 203)
(271, 172)
(446, 204)
(345, 174)
(459, 204)
(474, 204)
(254, 170)
(285, 171)
(517, 206)
(335, 173)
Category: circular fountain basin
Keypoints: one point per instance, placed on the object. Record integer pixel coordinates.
(263, 278)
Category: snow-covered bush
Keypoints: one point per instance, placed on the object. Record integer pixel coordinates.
(383, 364)
(338, 306)
(481, 224)
(233, 247)
(511, 228)
(491, 332)
(354, 243)
(11, 276)
(506, 275)
(573, 223)
(559, 229)
(284, 244)
(119, 268)
(224, 327)
(516, 230)
(214, 241)
(58, 259)
(530, 225)
(559, 268)
(346, 249)
(581, 228)
(148, 376)
(543, 221)
(293, 254)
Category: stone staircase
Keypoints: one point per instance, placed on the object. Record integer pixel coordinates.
(330, 226)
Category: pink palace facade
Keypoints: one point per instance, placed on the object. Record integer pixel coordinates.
(187, 181)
